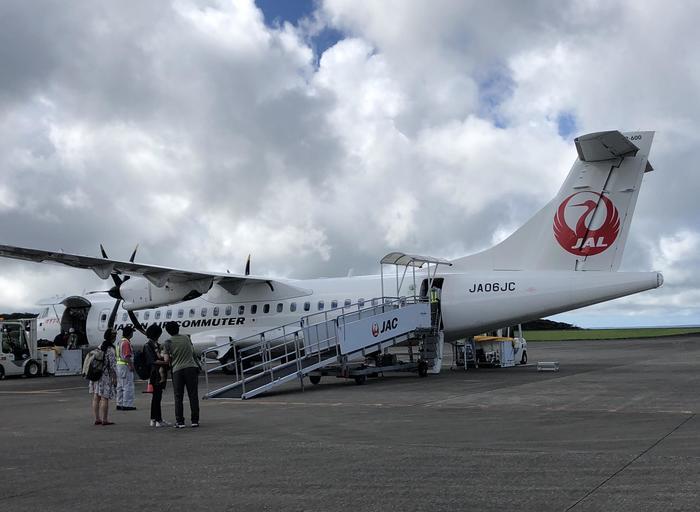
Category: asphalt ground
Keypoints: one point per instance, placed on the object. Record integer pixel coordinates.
(615, 429)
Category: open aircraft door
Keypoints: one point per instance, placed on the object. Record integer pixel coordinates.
(75, 315)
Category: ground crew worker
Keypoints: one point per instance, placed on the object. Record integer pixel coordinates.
(72, 339)
(125, 371)
(6, 345)
(434, 295)
(435, 305)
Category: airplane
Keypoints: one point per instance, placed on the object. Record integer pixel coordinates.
(565, 257)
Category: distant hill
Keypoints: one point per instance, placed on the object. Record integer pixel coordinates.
(15, 316)
(547, 325)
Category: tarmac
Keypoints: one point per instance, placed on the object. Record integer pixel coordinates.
(615, 429)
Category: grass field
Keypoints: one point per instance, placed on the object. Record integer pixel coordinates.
(607, 334)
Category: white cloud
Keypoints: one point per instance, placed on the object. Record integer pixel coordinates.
(200, 132)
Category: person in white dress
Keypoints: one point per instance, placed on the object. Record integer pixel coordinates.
(105, 389)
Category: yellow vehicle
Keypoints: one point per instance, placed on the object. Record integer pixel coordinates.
(502, 349)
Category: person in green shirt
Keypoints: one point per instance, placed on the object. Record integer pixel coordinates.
(182, 358)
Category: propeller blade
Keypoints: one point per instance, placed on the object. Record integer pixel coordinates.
(113, 315)
(247, 266)
(133, 254)
(135, 321)
(115, 277)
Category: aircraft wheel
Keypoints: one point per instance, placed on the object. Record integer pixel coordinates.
(360, 379)
(31, 369)
(523, 360)
(315, 379)
(228, 370)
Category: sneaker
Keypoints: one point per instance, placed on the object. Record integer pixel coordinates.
(128, 408)
(160, 424)
(179, 425)
(194, 425)
(120, 408)
(153, 423)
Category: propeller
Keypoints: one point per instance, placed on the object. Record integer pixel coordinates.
(114, 292)
(247, 266)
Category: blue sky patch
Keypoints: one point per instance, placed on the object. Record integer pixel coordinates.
(566, 124)
(276, 12)
(279, 11)
(494, 89)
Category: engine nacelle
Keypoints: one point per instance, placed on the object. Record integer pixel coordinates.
(139, 293)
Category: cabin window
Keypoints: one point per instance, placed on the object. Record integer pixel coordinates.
(360, 302)
(307, 306)
(146, 315)
(157, 314)
(280, 307)
(347, 302)
(103, 317)
(253, 309)
(216, 311)
(169, 314)
(124, 317)
(266, 308)
(228, 311)
(192, 313)
(320, 305)
(241, 310)
(204, 312)
(180, 313)
(334, 304)
(293, 307)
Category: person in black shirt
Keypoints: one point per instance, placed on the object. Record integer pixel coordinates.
(156, 363)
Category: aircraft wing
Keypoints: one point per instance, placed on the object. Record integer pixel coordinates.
(156, 274)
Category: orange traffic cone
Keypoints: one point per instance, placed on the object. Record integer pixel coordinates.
(149, 388)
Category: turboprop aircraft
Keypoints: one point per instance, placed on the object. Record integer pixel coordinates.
(565, 257)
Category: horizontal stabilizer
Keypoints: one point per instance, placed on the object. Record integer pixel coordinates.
(601, 146)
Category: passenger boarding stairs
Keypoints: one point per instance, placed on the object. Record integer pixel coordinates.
(271, 358)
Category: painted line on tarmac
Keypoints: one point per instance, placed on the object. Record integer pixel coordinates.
(314, 404)
(40, 391)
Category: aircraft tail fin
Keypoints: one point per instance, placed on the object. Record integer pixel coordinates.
(585, 226)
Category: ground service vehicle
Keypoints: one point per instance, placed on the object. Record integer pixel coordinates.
(18, 348)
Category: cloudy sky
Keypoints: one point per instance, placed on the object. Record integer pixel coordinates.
(320, 135)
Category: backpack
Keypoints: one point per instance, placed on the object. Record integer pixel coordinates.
(94, 365)
(143, 369)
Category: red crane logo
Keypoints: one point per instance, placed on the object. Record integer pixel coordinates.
(584, 240)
